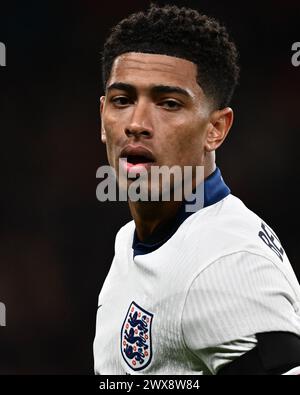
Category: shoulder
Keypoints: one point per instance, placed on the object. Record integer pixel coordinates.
(125, 232)
(229, 226)
(124, 238)
(243, 282)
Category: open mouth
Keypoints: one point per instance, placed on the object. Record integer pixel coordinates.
(137, 159)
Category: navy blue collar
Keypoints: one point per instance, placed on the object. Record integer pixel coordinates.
(215, 190)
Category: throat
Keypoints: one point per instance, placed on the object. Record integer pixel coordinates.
(153, 218)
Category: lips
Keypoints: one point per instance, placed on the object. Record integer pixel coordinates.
(137, 155)
(136, 159)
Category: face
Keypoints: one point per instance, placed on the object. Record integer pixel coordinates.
(155, 113)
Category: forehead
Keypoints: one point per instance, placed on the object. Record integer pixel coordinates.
(143, 69)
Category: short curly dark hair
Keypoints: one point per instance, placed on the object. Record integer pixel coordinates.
(184, 33)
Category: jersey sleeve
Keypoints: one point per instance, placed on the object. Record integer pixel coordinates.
(234, 298)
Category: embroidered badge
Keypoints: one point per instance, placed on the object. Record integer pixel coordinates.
(136, 337)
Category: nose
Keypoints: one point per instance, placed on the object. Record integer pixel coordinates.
(140, 123)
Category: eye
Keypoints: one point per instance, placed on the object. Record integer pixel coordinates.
(120, 101)
(171, 104)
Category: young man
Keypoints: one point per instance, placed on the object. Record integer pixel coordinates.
(203, 292)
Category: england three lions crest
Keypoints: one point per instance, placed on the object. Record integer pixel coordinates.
(136, 346)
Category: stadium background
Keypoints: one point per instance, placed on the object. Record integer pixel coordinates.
(56, 239)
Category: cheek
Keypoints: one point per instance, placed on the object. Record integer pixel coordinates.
(185, 141)
(110, 125)
(114, 135)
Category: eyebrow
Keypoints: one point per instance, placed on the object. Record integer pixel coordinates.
(156, 89)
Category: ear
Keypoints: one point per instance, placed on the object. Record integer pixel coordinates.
(218, 128)
(103, 133)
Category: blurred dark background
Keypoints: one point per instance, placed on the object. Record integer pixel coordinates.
(56, 239)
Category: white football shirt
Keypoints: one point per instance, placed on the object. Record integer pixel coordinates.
(194, 301)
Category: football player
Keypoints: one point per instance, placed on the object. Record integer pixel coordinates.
(204, 292)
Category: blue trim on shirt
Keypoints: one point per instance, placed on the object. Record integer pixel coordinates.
(215, 190)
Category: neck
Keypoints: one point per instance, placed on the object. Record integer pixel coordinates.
(148, 216)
